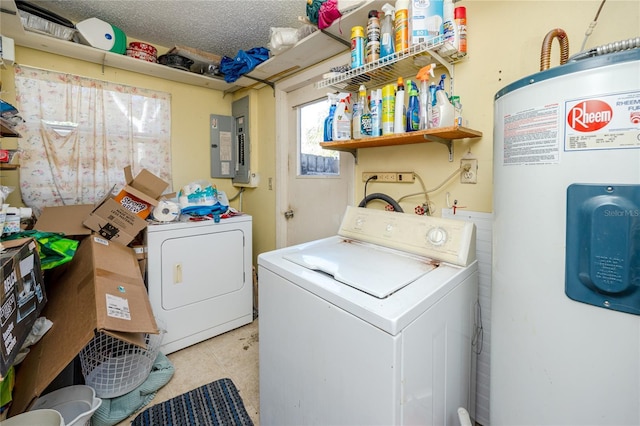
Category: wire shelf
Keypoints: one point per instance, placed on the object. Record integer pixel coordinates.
(400, 64)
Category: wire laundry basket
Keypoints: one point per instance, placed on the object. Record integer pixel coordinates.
(114, 367)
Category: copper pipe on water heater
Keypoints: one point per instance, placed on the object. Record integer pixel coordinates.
(545, 53)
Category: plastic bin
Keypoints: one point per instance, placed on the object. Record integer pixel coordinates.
(75, 403)
(46, 417)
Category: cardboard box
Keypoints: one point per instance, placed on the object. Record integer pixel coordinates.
(65, 219)
(101, 290)
(22, 296)
(122, 218)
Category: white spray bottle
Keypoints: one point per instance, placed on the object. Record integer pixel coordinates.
(342, 118)
(425, 99)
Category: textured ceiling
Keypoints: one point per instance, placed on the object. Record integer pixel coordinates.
(217, 26)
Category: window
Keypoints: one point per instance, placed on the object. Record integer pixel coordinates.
(80, 133)
(313, 160)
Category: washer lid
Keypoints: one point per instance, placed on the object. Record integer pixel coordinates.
(370, 268)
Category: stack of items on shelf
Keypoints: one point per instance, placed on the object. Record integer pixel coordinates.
(388, 111)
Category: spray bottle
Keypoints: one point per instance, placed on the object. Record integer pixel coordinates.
(365, 122)
(387, 32)
(400, 110)
(443, 110)
(328, 122)
(425, 99)
(342, 118)
(413, 110)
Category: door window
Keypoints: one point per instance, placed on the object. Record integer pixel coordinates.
(313, 160)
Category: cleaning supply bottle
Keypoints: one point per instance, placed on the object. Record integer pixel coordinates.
(388, 108)
(425, 99)
(358, 107)
(443, 110)
(365, 122)
(460, 18)
(342, 119)
(413, 109)
(375, 106)
(372, 49)
(387, 32)
(328, 122)
(357, 47)
(401, 25)
(448, 23)
(400, 110)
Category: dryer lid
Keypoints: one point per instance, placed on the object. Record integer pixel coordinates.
(373, 269)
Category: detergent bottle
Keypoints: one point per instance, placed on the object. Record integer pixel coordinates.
(328, 122)
(425, 98)
(413, 109)
(375, 106)
(387, 32)
(443, 110)
(365, 121)
(358, 109)
(342, 118)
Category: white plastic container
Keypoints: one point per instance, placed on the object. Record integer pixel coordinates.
(46, 417)
(400, 109)
(76, 404)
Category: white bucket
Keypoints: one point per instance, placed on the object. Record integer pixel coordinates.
(37, 417)
(75, 403)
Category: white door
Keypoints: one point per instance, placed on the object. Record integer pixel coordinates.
(314, 190)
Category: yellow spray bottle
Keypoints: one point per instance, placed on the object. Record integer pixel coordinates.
(425, 102)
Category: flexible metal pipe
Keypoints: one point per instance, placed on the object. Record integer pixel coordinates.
(545, 53)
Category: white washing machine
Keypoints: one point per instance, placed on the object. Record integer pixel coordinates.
(199, 278)
(372, 326)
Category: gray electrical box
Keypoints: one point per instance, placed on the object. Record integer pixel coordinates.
(240, 112)
(230, 146)
(223, 147)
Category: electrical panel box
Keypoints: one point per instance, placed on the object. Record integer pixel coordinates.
(240, 112)
(223, 147)
(230, 144)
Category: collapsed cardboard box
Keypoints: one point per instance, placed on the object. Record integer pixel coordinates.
(100, 290)
(122, 217)
(65, 219)
(22, 296)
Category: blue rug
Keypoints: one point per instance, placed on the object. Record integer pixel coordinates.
(215, 404)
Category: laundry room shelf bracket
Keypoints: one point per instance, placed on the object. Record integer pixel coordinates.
(447, 142)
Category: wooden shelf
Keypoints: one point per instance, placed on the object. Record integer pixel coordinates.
(7, 166)
(443, 135)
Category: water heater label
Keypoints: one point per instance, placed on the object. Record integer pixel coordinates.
(531, 136)
(603, 122)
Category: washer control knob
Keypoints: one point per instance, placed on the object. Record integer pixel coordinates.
(437, 236)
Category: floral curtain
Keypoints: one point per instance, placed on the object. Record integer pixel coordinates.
(80, 133)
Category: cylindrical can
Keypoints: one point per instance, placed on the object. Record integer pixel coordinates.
(388, 108)
(460, 17)
(373, 37)
(357, 47)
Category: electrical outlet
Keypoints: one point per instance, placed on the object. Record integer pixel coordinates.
(469, 170)
(389, 177)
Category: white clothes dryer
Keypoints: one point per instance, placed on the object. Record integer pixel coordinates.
(372, 326)
(200, 279)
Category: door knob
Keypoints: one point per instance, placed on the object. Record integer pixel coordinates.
(288, 214)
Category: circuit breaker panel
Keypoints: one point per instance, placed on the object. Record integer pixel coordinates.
(230, 145)
(240, 112)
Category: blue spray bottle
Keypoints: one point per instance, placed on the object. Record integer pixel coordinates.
(328, 122)
(413, 110)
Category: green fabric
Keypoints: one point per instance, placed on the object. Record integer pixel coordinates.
(6, 387)
(53, 248)
(114, 410)
(313, 7)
